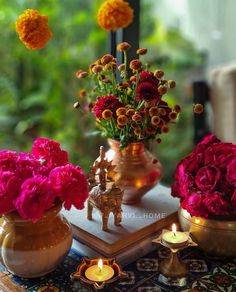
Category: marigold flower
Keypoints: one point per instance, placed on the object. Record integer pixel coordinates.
(198, 108)
(172, 115)
(122, 120)
(159, 73)
(162, 89)
(177, 108)
(123, 47)
(155, 120)
(81, 74)
(106, 59)
(165, 129)
(153, 111)
(76, 105)
(97, 69)
(107, 114)
(121, 111)
(130, 112)
(136, 118)
(137, 131)
(171, 83)
(114, 14)
(135, 65)
(141, 51)
(33, 29)
(82, 93)
(121, 67)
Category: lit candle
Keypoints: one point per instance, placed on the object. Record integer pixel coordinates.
(175, 238)
(99, 272)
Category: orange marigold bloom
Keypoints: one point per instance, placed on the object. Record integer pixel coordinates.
(114, 14)
(107, 114)
(121, 111)
(33, 29)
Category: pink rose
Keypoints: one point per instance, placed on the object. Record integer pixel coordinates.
(9, 190)
(49, 153)
(35, 198)
(216, 204)
(194, 205)
(28, 166)
(70, 184)
(220, 154)
(207, 178)
(231, 172)
(7, 160)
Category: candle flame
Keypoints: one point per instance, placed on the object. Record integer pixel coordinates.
(174, 229)
(100, 265)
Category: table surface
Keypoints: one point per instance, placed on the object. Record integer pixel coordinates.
(207, 273)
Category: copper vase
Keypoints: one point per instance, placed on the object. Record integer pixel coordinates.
(216, 236)
(32, 250)
(137, 169)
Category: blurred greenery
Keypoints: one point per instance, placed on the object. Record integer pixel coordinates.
(38, 88)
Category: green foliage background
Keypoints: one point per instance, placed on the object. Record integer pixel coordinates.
(38, 88)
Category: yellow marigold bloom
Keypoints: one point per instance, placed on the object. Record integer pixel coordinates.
(122, 120)
(121, 111)
(107, 114)
(114, 14)
(33, 29)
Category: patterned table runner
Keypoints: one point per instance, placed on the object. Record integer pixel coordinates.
(207, 274)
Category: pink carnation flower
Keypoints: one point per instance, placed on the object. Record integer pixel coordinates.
(9, 190)
(49, 153)
(70, 184)
(35, 198)
(7, 160)
(28, 166)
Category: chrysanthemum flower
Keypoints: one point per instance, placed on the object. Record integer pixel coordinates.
(122, 120)
(114, 14)
(107, 114)
(33, 29)
(106, 102)
(147, 92)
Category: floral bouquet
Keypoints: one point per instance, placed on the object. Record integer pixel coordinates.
(31, 183)
(129, 107)
(205, 181)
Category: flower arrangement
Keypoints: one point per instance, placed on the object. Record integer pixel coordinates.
(31, 183)
(205, 181)
(132, 109)
(114, 14)
(33, 29)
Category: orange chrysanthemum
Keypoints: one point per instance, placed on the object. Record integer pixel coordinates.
(33, 29)
(114, 14)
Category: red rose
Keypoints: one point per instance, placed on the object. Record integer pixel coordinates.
(216, 204)
(70, 184)
(194, 204)
(9, 190)
(148, 92)
(207, 178)
(49, 153)
(35, 198)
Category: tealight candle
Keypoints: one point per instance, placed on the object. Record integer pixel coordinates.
(175, 238)
(99, 272)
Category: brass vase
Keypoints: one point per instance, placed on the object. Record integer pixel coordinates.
(137, 170)
(215, 236)
(31, 249)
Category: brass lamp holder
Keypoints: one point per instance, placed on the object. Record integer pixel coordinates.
(173, 270)
(86, 263)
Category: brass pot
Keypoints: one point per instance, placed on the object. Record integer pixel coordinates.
(31, 249)
(215, 236)
(138, 171)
